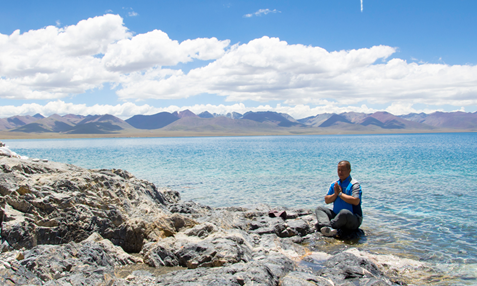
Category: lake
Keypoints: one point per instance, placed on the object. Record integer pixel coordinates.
(419, 198)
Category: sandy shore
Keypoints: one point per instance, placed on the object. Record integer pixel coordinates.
(163, 133)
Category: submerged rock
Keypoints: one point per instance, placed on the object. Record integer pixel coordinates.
(66, 225)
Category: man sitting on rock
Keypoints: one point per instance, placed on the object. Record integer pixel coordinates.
(345, 194)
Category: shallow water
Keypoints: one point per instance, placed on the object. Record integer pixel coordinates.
(419, 199)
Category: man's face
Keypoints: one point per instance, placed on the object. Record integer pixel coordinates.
(343, 171)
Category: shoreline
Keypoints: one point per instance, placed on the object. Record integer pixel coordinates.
(177, 134)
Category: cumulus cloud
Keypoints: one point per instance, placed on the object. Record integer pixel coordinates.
(52, 63)
(261, 12)
(124, 111)
(268, 69)
(157, 49)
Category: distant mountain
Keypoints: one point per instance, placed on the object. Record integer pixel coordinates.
(334, 120)
(16, 121)
(100, 124)
(76, 124)
(53, 123)
(355, 117)
(417, 117)
(206, 114)
(234, 115)
(107, 118)
(184, 113)
(289, 118)
(390, 121)
(315, 121)
(270, 116)
(383, 120)
(155, 121)
(220, 124)
(95, 128)
(264, 122)
(372, 121)
(452, 120)
(72, 118)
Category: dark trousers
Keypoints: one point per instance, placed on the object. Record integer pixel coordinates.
(345, 219)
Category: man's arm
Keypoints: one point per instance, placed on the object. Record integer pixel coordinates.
(354, 198)
(330, 198)
(336, 190)
(350, 199)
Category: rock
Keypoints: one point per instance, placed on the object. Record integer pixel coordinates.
(54, 203)
(214, 252)
(304, 279)
(90, 262)
(157, 255)
(299, 226)
(64, 225)
(263, 272)
(171, 197)
(202, 230)
(347, 267)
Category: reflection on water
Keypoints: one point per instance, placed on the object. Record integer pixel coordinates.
(418, 189)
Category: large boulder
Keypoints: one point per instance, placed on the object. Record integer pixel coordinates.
(54, 203)
(90, 262)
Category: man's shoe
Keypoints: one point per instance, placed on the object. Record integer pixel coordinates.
(328, 231)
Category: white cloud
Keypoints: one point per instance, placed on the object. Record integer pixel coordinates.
(55, 62)
(157, 49)
(52, 63)
(129, 109)
(132, 14)
(261, 12)
(268, 69)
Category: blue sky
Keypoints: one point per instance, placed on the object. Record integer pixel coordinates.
(301, 58)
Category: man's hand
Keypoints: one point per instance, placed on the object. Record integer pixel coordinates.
(337, 188)
(331, 198)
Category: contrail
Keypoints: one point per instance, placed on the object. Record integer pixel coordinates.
(361, 5)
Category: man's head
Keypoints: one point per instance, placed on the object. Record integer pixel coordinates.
(344, 169)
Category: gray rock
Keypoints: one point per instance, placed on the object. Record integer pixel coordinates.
(304, 279)
(346, 267)
(54, 203)
(300, 227)
(214, 252)
(161, 256)
(65, 225)
(90, 262)
(202, 230)
(265, 272)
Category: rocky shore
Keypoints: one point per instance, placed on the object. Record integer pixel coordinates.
(65, 225)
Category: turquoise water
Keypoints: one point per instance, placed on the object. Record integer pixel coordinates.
(419, 192)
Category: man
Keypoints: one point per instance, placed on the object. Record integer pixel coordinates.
(345, 194)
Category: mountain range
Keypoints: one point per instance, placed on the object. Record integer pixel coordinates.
(250, 122)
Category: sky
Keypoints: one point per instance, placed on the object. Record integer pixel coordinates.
(302, 58)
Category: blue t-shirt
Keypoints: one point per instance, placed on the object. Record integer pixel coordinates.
(350, 187)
